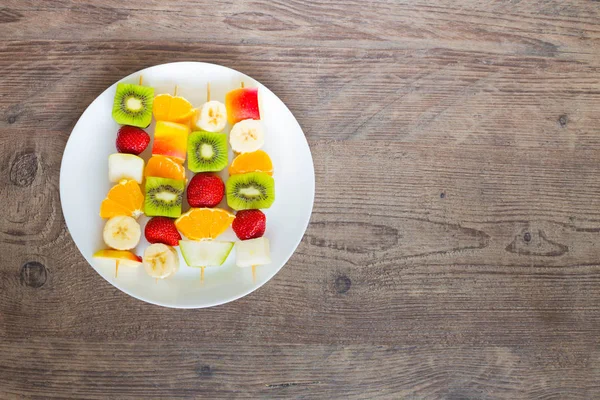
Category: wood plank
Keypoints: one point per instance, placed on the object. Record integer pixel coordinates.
(540, 28)
(199, 369)
(386, 259)
(412, 96)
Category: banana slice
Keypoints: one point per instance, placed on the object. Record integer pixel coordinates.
(212, 117)
(160, 261)
(122, 233)
(246, 136)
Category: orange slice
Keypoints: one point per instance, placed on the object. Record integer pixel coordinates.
(161, 106)
(256, 161)
(190, 117)
(173, 109)
(204, 223)
(164, 167)
(125, 198)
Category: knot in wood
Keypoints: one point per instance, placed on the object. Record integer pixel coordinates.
(33, 274)
(204, 370)
(23, 169)
(563, 120)
(342, 284)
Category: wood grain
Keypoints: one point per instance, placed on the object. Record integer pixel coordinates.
(452, 251)
(108, 369)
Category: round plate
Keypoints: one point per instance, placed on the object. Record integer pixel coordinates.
(84, 184)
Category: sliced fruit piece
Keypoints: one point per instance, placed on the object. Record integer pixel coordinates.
(212, 117)
(164, 167)
(117, 258)
(132, 140)
(133, 105)
(250, 191)
(242, 104)
(249, 224)
(162, 230)
(204, 223)
(125, 198)
(247, 136)
(172, 109)
(122, 233)
(125, 166)
(256, 161)
(170, 139)
(160, 261)
(191, 121)
(161, 107)
(207, 253)
(205, 190)
(163, 197)
(207, 151)
(126, 258)
(253, 252)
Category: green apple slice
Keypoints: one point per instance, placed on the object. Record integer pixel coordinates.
(206, 253)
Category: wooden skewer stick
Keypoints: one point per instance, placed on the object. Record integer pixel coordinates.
(117, 269)
(141, 80)
(254, 274)
(202, 275)
(175, 91)
(208, 92)
(242, 84)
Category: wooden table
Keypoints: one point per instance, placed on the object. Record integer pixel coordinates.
(453, 249)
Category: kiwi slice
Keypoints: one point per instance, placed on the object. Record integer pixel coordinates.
(133, 105)
(249, 191)
(207, 151)
(163, 197)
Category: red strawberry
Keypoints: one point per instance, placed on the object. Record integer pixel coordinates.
(132, 140)
(205, 190)
(162, 230)
(249, 224)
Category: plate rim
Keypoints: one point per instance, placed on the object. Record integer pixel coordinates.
(143, 298)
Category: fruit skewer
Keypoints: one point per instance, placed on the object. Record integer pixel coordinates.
(250, 173)
(125, 200)
(123, 203)
(207, 152)
(165, 184)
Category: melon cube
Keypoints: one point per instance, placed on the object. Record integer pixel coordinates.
(170, 139)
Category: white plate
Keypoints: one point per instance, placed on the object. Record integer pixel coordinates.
(84, 184)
